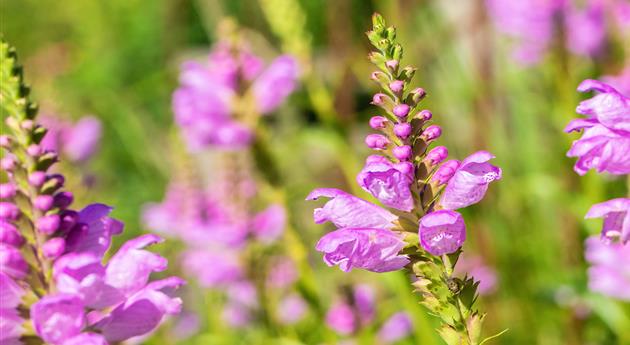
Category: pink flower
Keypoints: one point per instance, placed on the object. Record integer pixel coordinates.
(616, 214)
(470, 181)
(609, 273)
(387, 182)
(442, 232)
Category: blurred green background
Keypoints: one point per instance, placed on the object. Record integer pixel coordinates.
(119, 59)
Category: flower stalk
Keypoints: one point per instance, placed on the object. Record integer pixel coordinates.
(418, 228)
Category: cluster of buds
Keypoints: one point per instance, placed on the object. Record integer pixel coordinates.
(417, 228)
(55, 287)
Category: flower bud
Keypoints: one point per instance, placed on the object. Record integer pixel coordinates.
(403, 153)
(436, 155)
(445, 172)
(37, 178)
(7, 163)
(54, 247)
(378, 76)
(68, 220)
(378, 122)
(63, 200)
(57, 179)
(27, 124)
(397, 86)
(425, 115)
(431, 133)
(48, 224)
(5, 141)
(34, 150)
(402, 130)
(406, 168)
(376, 141)
(12, 262)
(8, 211)
(401, 110)
(379, 99)
(43, 202)
(10, 235)
(418, 94)
(392, 65)
(7, 190)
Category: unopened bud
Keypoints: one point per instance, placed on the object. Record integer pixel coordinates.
(402, 130)
(401, 110)
(48, 224)
(68, 220)
(397, 86)
(27, 124)
(5, 141)
(43, 202)
(431, 133)
(63, 200)
(376, 141)
(7, 190)
(403, 153)
(436, 155)
(9, 211)
(425, 115)
(378, 122)
(54, 247)
(418, 94)
(10, 235)
(37, 178)
(445, 172)
(406, 168)
(379, 99)
(7, 163)
(34, 150)
(392, 65)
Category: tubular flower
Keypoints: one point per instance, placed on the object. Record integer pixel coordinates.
(534, 24)
(616, 215)
(73, 297)
(204, 104)
(605, 143)
(223, 226)
(609, 273)
(470, 181)
(418, 190)
(78, 141)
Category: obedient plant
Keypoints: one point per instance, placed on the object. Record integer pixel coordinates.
(537, 24)
(56, 286)
(223, 219)
(605, 147)
(417, 228)
(355, 311)
(219, 103)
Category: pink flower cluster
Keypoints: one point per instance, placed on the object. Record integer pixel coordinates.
(356, 310)
(51, 257)
(419, 191)
(535, 23)
(605, 147)
(209, 103)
